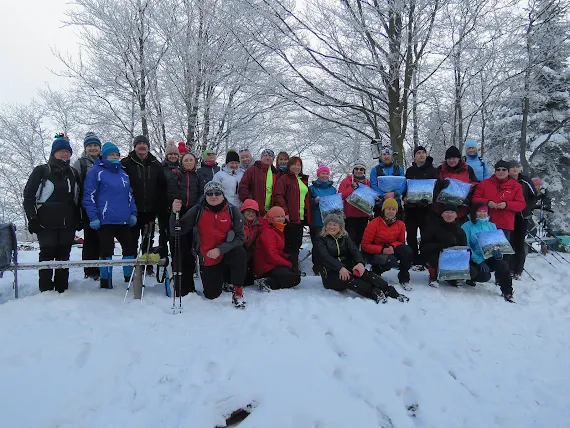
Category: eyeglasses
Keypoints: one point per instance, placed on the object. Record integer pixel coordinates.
(501, 169)
(360, 169)
(215, 193)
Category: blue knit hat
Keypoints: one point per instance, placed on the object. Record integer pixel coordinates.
(109, 148)
(91, 138)
(61, 142)
(471, 144)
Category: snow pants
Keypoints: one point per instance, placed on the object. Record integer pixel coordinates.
(213, 276)
(363, 285)
(187, 263)
(502, 274)
(417, 218)
(355, 228)
(518, 235)
(315, 232)
(283, 277)
(293, 240)
(55, 244)
(402, 259)
(90, 250)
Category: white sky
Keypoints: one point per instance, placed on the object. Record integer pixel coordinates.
(30, 28)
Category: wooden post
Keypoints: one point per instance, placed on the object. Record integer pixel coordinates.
(137, 282)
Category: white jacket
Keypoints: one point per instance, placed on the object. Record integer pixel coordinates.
(230, 180)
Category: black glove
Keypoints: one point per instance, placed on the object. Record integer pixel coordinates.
(424, 202)
(484, 267)
(497, 255)
(34, 225)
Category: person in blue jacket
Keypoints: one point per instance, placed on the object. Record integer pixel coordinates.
(110, 206)
(480, 268)
(387, 166)
(322, 186)
(478, 163)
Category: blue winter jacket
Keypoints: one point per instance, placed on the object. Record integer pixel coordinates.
(107, 194)
(471, 229)
(479, 165)
(319, 189)
(388, 170)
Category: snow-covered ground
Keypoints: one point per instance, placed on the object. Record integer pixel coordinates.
(306, 358)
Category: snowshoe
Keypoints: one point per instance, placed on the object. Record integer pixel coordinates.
(379, 296)
(508, 298)
(237, 297)
(402, 298)
(434, 283)
(262, 284)
(406, 285)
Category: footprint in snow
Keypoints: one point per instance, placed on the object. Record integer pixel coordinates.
(334, 344)
(83, 355)
(411, 402)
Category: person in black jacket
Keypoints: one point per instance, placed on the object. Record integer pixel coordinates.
(149, 189)
(342, 264)
(208, 168)
(444, 232)
(51, 203)
(522, 219)
(418, 214)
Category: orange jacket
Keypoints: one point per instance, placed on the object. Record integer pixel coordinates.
(378, 235)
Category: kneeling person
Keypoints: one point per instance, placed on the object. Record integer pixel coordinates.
(343, 264)
(273, 266)
(218, 236)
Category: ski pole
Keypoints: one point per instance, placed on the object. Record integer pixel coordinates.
(553, 253)
(134, 267)
(149, 239)
(531, 277)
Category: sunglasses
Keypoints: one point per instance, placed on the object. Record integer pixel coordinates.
(501, 169)
(360, 169)
(215, 193)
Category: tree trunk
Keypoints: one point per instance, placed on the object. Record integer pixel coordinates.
(415, 125)
(142, 67)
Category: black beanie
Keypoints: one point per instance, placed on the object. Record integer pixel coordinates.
(452, 152)
(502, 164)
(417, 149)
(232, 156)
(449, 207)
(141, 139)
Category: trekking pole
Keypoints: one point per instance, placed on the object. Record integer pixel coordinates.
(176, 267)
(149, 240)
(545, 258)
(557, 257)
(134, 267)
(531, 277)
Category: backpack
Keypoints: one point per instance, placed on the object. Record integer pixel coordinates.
(83, 169)
(47, 172)
(380, 170)
(8, 245)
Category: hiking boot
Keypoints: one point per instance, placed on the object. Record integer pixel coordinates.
(508, 298)
(105, 283)
(149, 270)
(516, 276)
(406, 285)
(453, 283)
(434, 283)
(471, 283)
(237, 297)
(228, 288)
(262, 284)
(379, 296)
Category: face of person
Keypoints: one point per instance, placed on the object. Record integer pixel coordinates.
(514, 171)
(420, 156)
(214, 197)
(386, 158)
(210, 157)
(113, 156)
(172, 158)
(282, 160)
(501, 173)
(452, 161)
(233, 165)
(296, 168)
(245, 158)
(93, 150)
(279, 219)
(390, 213)
(188, 163)
(266, 160)
(449, 216)
(481, 214)
(324, 176)
(63, 155)
(359, 172)
(249, 214)
(332, 228)
(471, 151)
(141, 149)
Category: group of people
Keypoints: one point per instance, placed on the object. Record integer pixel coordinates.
(244, 221)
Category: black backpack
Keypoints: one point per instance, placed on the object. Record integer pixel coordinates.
(8, 245)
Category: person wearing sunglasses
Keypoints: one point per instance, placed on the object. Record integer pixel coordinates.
(356, 220)
(504, 196)
(218, 237)
(208, 167)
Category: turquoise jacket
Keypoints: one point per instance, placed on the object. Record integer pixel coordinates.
(471, 229)
(318, 189)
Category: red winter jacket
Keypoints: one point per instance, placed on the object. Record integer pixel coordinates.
(251, 233)
(269, 250)
(346, 190)
(287, 196)
(214, 228)
(378, 235)
(509, 191)
(462, 172)
(252, 184)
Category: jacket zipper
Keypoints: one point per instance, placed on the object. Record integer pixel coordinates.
(187, 189)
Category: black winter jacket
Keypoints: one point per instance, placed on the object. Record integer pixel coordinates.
(187, 188)
(529, 193)
(426, 171)
(441, 235)
(336, 253)
(206, 173)
(148, 183)
(58, 204)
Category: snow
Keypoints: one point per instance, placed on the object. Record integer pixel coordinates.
(306, 357)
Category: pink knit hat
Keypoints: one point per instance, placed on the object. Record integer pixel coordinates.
(322, 168)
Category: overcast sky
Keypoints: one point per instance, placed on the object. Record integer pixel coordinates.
(29, 29)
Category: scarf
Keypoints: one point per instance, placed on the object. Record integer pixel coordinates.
(279, 226)
(215, 208)
(390, 221)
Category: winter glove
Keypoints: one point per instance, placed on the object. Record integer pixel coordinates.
(95, 224)
(133, 220)
(497, 255)
(34, 225)
(484, 267)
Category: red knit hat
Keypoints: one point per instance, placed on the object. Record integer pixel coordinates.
(275, 212)
(182, 147)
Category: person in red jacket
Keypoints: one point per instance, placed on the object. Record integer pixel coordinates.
(384, 244)
(292, 194)
(258, 182)
(503, 195)
(251, 229)
(456, 168)
(218, 238)
(272, 264)
(356, 220)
